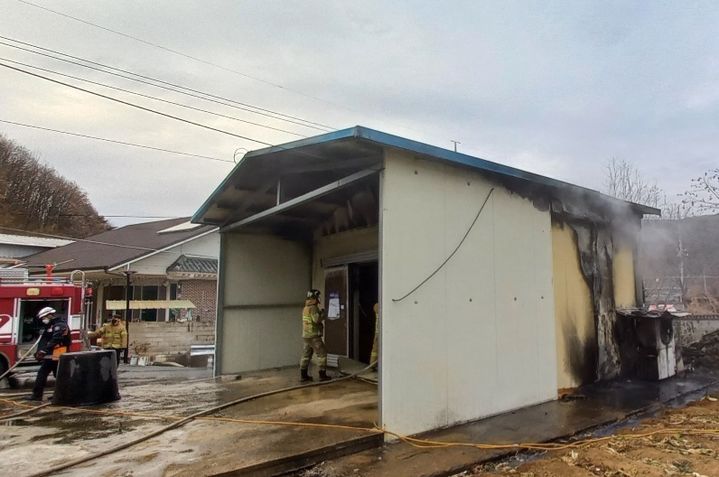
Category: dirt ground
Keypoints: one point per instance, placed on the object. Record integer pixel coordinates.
(663, 454)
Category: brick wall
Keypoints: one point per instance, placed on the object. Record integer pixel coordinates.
(203, 293)
(170, 337)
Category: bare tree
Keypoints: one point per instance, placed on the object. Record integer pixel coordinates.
(674, 210)
(34, 197)
(624, 181)
(703, 193)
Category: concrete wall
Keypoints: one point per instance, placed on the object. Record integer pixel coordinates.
(691, 329)
(263, 284)
(478, 338)
(170, 338)
(574, 312)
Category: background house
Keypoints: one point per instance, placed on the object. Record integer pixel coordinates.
(497, 287)
(172, 266)
(13, 248)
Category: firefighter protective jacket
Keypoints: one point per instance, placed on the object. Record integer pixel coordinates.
(312, 318)
(55, 337)
(113, 336)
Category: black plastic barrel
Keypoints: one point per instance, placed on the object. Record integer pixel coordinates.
(86, 378)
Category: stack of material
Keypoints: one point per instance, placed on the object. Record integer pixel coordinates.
(704, 353)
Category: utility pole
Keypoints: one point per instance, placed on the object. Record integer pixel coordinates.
(455, 144)
(128, 274)
(681, 252)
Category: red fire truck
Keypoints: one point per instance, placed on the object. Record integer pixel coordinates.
(22, 296)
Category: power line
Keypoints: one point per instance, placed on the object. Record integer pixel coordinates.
(185, 55)
(124, 143)
(137, 106)
(244, 106)
(155, 98)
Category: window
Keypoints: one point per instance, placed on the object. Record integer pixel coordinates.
(149, 293)
(174, 312)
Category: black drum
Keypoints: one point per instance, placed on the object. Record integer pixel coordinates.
(86, 378)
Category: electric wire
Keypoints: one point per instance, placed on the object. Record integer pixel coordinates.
(456, 249)
(154, 111)
(154, 98)
(185, 55)
(136, 106)
(114, 141)
(179, 88)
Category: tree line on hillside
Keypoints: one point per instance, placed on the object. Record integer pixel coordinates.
(35, 198)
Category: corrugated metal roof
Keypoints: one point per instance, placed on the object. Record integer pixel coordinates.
(360, 138)
(186, 264)
(115, 247)
(30, 241)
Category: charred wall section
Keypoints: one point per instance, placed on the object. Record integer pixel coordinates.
(605, 237)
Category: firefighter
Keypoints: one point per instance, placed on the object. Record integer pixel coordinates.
(114, 336)
(374, 355)
(54, 341)
(312, 330)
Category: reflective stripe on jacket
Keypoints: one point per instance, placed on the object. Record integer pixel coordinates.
(113, 336)
(311, 319)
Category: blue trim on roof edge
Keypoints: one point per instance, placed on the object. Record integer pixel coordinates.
(398, 142)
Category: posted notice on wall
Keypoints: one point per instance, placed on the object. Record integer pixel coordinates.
(333, 307)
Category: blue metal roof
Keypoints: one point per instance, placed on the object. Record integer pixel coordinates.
(361, 133)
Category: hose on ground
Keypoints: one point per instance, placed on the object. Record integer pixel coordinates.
(191, 417)
(21, 359)
(23, 413)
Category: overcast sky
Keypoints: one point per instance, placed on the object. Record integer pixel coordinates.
(553, 87)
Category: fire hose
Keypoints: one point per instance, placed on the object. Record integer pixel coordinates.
(21, 359)
(192, 417)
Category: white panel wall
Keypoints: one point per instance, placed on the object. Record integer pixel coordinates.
(264, 283)
(206, 247)
(338, 245)
(478, 338)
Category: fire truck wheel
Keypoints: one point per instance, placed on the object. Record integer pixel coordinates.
(3, 365)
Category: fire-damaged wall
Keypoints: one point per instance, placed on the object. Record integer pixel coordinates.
(574, 312)
(604, 252)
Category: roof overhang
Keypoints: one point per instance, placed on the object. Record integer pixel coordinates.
(352, 150)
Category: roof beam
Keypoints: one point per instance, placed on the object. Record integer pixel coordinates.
(304, 198)
(358, 163)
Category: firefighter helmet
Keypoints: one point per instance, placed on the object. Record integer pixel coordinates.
(313, 294)
(46, 311)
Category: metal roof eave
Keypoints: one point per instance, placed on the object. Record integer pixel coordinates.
(310, 141)
(416, 147)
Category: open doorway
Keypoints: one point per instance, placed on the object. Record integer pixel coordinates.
(30, 327)
(350, 294)
(364, 281)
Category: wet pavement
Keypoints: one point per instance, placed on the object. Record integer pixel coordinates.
(205, 447)
(198, 448)
(601, 405)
